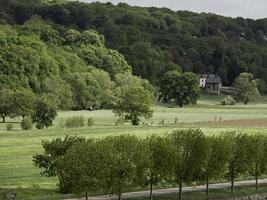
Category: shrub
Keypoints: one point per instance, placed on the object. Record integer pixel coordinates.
(75, 122)
(90, 122)
(228, 101)
(162, 122)
(26, 123)
(120, 121)
(9, 127)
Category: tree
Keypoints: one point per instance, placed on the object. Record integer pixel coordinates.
(124, 159)
(189, 151)
(215, 165)
(181, 88)
(6, 103)
(78, 169)
(44, 113)
(246, 88)
(158, 160)
(133, 103)
(60, 90)
(53, 151)
(238, 160)
(257, 160)
(24, 101)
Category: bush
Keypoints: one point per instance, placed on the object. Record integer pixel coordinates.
(75, 122)
(120, 121)
(162, 122)
(90, 122)
(26, 123)
(228, 101)
(9, 127)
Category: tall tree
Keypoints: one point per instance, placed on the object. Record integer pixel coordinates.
(45, 111)
(6, 103)
(158, 161)
(238, 161)
(246, 88)
(215, 165)
(79, 168)
(134, 103)
(257, 161)
(54, 150)
(124, 158)
(24, 101)
(182, 89)
(188, 155)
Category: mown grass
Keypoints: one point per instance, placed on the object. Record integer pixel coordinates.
(17, 146)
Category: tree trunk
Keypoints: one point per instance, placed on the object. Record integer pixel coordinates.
(120, 196)
(3, 118)
(207, 187)
(256, 183)
(151, 189)
(180, 189)
(86, 195)
(232, 184)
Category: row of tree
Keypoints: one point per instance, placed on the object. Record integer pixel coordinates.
(116, 164)
(23, 103)
(130, 97)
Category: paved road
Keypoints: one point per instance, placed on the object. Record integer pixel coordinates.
(132, 195)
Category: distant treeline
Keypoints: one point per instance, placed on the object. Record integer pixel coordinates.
(115, 165)
(156, 40)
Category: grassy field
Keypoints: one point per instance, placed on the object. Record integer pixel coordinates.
(17, 147)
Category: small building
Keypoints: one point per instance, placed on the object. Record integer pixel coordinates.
(211, 83)
(202, 80)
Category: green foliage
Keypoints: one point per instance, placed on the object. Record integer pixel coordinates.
(124, 162)
(134, 102)
(188, 152)
(182, 89)
(158, 161)
(216, 161)
(117, 164)
(153, 40)
(90, 122)
(60, 90)
(24, 101)
(228, 101)
(44, 113)
(6, 103)
(53, 151)
(238, 161)
(120, 121)
(92, 90)
(75, 122)
(257, 149)
(246, 88)
(262, 86)
(26, 123)
(9, 127)
(78, 169)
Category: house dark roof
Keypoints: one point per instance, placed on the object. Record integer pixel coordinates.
(213, 79)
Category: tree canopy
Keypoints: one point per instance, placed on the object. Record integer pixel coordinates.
(153, 40)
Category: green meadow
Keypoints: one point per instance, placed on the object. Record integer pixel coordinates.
(17, 147)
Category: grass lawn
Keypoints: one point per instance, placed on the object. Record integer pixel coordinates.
(17, 147)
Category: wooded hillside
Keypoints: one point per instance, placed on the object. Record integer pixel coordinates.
(156, 40)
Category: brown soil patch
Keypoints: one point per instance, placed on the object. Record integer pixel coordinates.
(246, 123)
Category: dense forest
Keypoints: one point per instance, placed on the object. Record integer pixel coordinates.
(152, 40)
